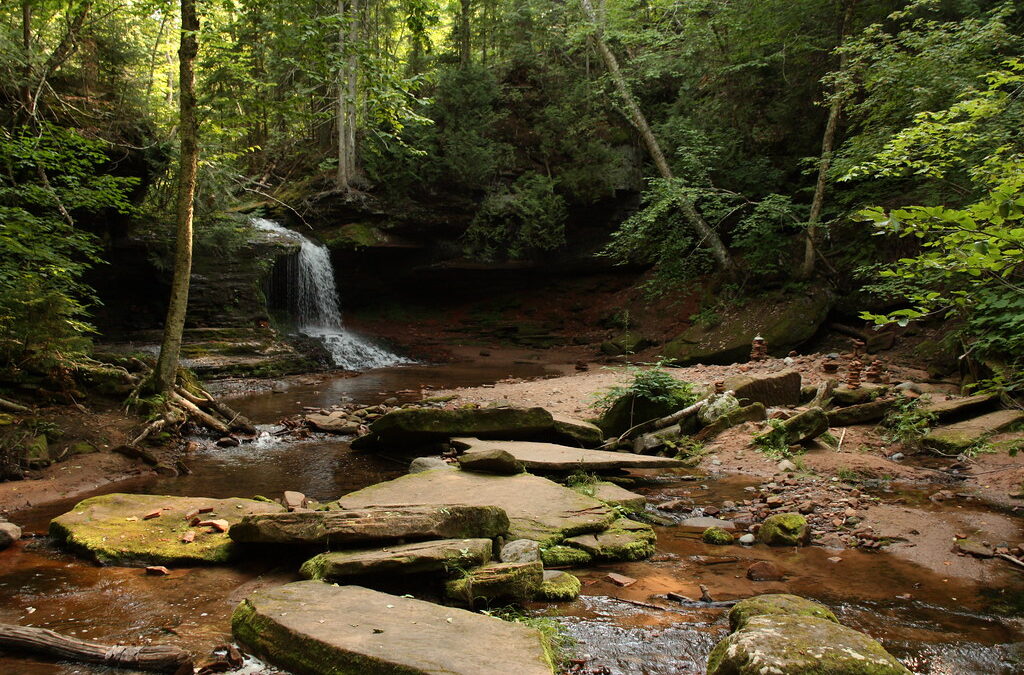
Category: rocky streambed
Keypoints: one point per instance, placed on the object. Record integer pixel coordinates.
(650, 582)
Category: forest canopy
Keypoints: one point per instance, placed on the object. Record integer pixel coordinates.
(873, 144)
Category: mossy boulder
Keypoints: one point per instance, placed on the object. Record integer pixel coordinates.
(559, 586)
(506, 582)
(800, 645)
(716, 536)
(491, 460)
(615, 496)
(313, 628)
(565, 556)
(572, 431)
(114, 529)
(844, 396)
(627, 342)
(624, 540)
(630, 410)
(774, 604)
(800, 428)
(784, 322)
(410, 427)
(784, 529)
(755, 412)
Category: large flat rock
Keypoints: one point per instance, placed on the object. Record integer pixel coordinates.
(537, 508)
(551, 457)
(114, 529)
(313, 628)
(954, 438)
(410, 427)
(952, 408)
(442, 555)
(373, 523)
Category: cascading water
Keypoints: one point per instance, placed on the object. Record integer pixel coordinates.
(312, 300)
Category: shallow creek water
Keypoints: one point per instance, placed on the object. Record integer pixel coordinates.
(946, 627)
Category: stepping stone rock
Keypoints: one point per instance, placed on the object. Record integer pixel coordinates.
(520, 550)
(537, 508)
(9, 533)
(704, 522)
(559, 458)
(615, 496)
(565, 556)
(775, 604)
(577, 432)
(624, 540)
(346, 527)
(515, 582)
(559, 586)
(958, 407)
(775, 389)
(442, 555)
(428, 464)
(418, 426)
(955, 438)
(784, 529)
(800, 645)
(102, 528)
(334, 423)
(490, 460)
(315, 628)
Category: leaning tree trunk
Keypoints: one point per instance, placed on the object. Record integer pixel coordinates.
(708, 236)
(167, 365)
(825, 161)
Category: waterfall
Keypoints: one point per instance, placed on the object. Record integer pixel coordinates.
(312, 301)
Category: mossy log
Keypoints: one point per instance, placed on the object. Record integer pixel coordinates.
(159, 658)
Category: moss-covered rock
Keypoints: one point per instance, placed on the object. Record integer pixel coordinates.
(313, 628)
(716, 536)
(784, 529)
(800, 645)
(799, 428)
(417, 426)
(627, 342)
(507, 582)
(114, 529)
(624, 540)
(565, 556)
(755, 412)
(615, 496)
(577, 432)
(773, 604)
(630, 410)
(784, 323)
(443, 555)
(559, 586)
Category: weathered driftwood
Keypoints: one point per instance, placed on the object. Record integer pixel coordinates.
(159, 658)
(12, 406)
(202, 416)
(660, 423)
(235, 421)
(823, 395)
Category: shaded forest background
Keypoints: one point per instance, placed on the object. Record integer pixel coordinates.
(871, 145)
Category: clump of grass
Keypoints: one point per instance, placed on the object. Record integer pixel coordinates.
(582, 482)
(773, 443)
(560, 642)
(907, 422)
(652, 384)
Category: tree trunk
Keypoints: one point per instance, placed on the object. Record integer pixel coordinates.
(26, 42)
(708, 237)
(465, 10)
(353, 77)
(344, 117)
(825, 161)
(167, 364)
(161, 658)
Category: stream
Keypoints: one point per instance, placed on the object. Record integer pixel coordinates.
(945, 627)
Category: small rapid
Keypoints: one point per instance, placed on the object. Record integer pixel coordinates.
(313, 303)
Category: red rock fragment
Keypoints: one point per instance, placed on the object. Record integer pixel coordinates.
(620, 579)
(157, 571)
(153, 514)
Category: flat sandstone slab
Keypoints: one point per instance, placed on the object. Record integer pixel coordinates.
(537, 508)
(313, 628)
(372, 523)
(443, 555)
(551, 457)
(148, 529)
(962, 435)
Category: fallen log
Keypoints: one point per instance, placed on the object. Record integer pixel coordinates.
(654, 425)
(12, 406)
(202, 416)
(159, 658)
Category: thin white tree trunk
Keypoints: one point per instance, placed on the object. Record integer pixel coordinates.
(708, 237)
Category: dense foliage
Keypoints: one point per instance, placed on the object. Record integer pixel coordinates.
(508, 121)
